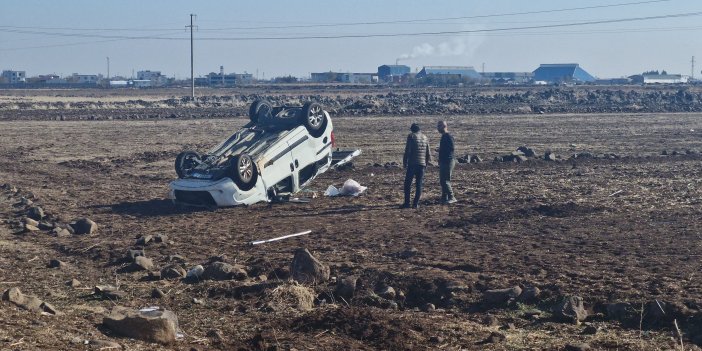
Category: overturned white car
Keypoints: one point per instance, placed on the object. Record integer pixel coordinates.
(278, 152)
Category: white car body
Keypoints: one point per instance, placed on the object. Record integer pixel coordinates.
(286, 161)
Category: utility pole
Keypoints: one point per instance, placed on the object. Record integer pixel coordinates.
(108, 71)
(192, 66)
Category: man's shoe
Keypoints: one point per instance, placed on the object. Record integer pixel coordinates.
(415, 206)
(451, 201)
(405, 206)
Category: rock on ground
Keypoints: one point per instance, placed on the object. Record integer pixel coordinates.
(530, 294)
(387, 292)
(36, 213)
(158, 326)
(306, 269)
(571, 309)
(29, 303)
(141, 263)
(224, 271)
(346, 287)
(497, 296)
(84, 226)
(173, 272)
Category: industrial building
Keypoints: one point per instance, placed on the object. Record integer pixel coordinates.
(338, 77)
(462, 72)
(222, 79)
(508, 77)
(664, 79)
(562, 73)
(392, 73)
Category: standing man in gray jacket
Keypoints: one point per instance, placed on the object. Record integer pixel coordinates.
(446, 163)
(415, 161)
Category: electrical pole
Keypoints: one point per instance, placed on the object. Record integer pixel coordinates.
(192, 67)
(108, 71)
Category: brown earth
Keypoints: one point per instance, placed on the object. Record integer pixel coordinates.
(619, 229)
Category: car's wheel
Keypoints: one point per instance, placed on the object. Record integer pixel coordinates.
(185, 162)
(243, 171)
(313, 118)
(259, 107)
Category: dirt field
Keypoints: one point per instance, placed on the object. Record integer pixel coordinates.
(621, 228)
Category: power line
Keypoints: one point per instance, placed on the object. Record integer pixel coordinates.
(445, 18)
(583, 32)
(636, 3)
(381, 35)
(348, 36)
(620, 20)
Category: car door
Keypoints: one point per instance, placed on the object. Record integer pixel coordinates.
(277, 167)
(303, 155)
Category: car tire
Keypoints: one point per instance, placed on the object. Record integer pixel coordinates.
(258, 107)
(312, 116)
(185, 162)
(243, 171)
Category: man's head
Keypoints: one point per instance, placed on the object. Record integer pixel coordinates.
(442, 127)
(414, 128)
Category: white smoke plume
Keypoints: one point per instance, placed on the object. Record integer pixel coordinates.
(456, 46)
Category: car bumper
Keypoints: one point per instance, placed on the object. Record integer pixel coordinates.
(219, 193)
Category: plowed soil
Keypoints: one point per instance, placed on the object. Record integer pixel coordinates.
(620, 228)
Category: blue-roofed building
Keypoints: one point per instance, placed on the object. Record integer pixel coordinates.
(388, 73)
(463, 72)
(562, 73)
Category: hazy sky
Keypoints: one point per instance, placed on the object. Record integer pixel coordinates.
(65, 37)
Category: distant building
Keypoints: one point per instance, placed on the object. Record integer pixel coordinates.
(463, 72)
(325, 77)
(562, 73)
(359, 78)
(46, 79)
(155, 78)
(337, 77)
(14, 77)
(221, 79)
(387, 73)
(120, 83)
(508, 77)
(243, 78)
(86, 79)
(664, 78)
(613, 81)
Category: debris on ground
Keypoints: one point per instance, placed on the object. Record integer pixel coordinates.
(158, 326)
(350, 188)
(291, 295)
(307, 269)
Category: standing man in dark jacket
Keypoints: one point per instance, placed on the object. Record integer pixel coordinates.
(415, 161)
(446, 163)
